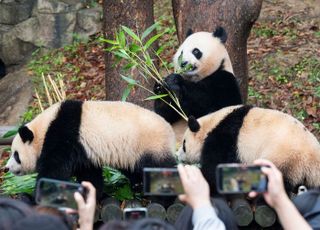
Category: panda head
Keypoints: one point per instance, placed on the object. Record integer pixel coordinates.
(24, 152)
(193, 140)
(204, 53)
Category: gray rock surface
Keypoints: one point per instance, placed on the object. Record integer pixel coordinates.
(16, 94)
(13, 12)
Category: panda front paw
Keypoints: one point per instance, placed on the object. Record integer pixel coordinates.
(173, 82)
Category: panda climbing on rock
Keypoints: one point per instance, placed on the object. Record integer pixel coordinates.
(242, 134)
(208, 85)
(75, 138)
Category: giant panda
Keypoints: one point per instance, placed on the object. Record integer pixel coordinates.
(208, 86)
(75, 138)
(243, 133)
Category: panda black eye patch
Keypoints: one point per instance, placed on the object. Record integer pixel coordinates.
(197, 53)
(16, 157)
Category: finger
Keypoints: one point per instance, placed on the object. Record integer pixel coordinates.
(79, 199)
(263, 162)
(183, 175)
(183, 197)
(193, 173)
(252, 194)
(91, 196)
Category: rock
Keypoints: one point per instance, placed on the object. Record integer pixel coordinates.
(13, 12)
(56, 30)
(14, 50)
(15, 96)
(56, 7)
(27, 31)
(89, 21)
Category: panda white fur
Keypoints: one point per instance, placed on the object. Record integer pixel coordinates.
(77, 138)
(244, 134)
(207, 87)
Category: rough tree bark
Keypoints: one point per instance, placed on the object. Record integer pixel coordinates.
(137, 15)
(237, 17)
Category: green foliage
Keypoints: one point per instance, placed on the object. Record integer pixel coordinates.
(10, 133)
(264, 31)
(115, 184)
(136, 52)
(12, 184)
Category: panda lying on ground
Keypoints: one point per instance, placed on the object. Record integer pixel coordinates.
(244, 134)
(207, 87)
(76, 138)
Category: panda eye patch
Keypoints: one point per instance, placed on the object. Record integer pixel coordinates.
(197, 53)
(16, 157)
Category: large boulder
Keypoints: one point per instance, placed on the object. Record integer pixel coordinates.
(15, 11)
(16, 94)
(89, 21)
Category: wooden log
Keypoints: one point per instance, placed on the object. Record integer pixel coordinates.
(111, 210)
(174, 211)
(156, 210)
(133, 204)
(242, 211)
(265, 216)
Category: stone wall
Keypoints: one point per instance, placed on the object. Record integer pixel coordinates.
(26, 25)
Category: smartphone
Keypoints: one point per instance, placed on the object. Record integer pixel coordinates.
(161, 182)
(240, 178)
(134, 213)
(57, 193)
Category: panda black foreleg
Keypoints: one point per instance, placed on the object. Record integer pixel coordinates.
(94, 175)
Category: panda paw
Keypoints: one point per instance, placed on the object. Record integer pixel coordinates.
(173, 82)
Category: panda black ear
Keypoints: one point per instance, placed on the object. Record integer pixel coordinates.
(189, 32)
(26, 134)
(221, 34)
(193, 124)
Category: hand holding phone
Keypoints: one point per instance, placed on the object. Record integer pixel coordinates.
(240, 178)
(161, 182)
(134, 213)
(57, 193)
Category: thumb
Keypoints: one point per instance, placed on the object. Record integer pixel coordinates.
(183, 197)
(79, 199)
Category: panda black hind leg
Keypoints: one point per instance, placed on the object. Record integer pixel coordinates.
(220, 146)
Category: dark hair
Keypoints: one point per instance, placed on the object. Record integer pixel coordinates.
(40, 222)
(151, 224)
(11, 211)
(115, 225)
(67, 220)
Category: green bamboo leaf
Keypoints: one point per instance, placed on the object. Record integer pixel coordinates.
(112, 42)
(154, 97)
(148, 31)
(134, 48)
(148, 60)
(10, 133)
(122, 39)
(159, 51)
(131, 33)
(126, 92)
(129, 80)
(121, 54)
(152, 40)
(129, 66)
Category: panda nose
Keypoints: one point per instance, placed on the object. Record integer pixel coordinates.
(6, 169)
(183, 64)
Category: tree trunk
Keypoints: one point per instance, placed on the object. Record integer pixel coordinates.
(237, 17)
(137, 15)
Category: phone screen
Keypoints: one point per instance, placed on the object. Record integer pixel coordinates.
(239, 178)
(134, 213)
(161, 182)
(56, 193)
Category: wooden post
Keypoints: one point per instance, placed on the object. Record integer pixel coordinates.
(242, 211)
(138, 16)
(156, 210)
(265, 216)
(174, 211)
(111, 210)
